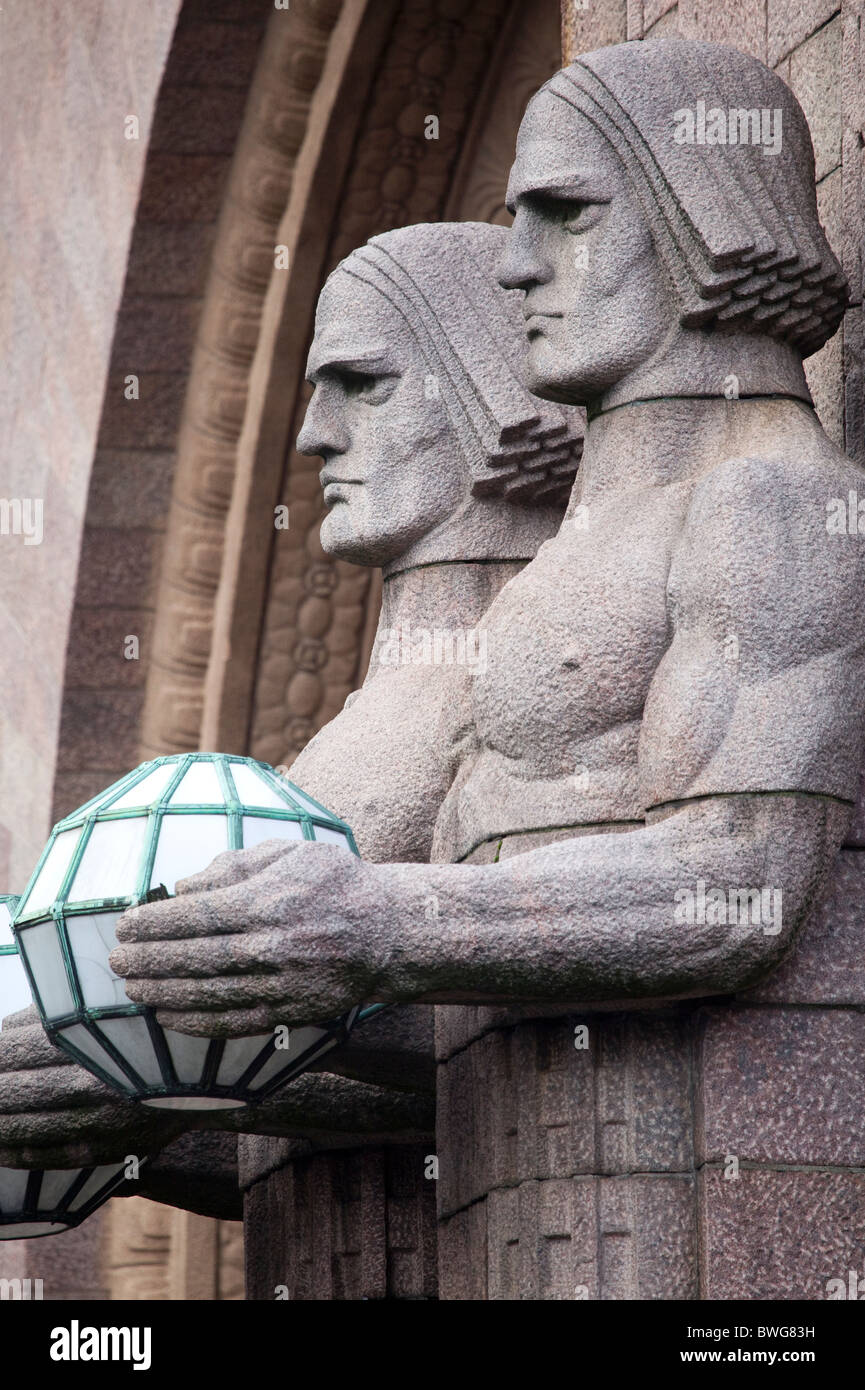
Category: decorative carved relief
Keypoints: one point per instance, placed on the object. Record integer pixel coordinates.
(527, 53)
(435, 62)
(137, 1249)
(346, 1225)
(291, 61)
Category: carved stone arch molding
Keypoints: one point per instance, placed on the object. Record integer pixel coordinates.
(256, 636)
(284, 88)
(259, 637)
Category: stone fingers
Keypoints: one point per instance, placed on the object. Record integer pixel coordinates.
(193, 958)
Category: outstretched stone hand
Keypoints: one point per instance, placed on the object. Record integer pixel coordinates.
(280, 934)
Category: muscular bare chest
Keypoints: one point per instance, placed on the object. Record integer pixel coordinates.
(573, 642)
(572, 645)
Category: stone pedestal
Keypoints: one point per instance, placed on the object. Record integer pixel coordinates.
(715, 1150)
(579, 1179)
(347, 1224)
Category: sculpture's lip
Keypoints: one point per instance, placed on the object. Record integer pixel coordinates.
(327, 481)
(535, 322)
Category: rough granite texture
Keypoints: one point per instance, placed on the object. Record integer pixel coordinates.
(676, 679)
(355, 1225)
(670, 709)
(783, 1086)
(773, 1086)
(776, 1234)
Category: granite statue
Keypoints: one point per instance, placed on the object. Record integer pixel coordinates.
(672, 694)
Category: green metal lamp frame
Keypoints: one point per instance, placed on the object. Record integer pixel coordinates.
(60, 1215)
(97, 811)
(11, 900)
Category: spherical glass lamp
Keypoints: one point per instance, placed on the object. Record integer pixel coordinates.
(166, 820)
(42, 1201)
(45, 1202)
(14, 986)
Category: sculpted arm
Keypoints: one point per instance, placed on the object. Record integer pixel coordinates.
(748, 761)
(750, 748)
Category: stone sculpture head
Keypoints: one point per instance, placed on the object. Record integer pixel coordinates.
(433, 448)
(666, 224)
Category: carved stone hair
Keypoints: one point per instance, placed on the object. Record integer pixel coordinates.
(735, 223)
(441, 277)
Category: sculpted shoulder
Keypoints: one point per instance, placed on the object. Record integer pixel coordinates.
(776, 538)
(763, 685)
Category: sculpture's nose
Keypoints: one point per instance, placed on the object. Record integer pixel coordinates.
(523, 263)
(324, 429)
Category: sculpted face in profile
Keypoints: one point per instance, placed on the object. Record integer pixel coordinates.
(439, 466)
(420, 413)
(380, 426)
(675, 691)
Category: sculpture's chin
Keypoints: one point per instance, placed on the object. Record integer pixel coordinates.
(341, 539)
(552, 374)
(564, 393)
(571, 378)
(338, 538)
(560, 385)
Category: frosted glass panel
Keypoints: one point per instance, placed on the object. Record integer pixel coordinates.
(45, 958)
(238, 1055)
(199, 787)
(14, 987)
(328, 836)
(47, 885)
(89, 1047)
(131, 1037)
(24, 1230)
(311, 806)
(13, 1187)
(111, 863)
(188, 1055)
(257, 828)
(148, 790)
(300, 1039)
(187, 844)
(98, 1178)
(55, 1184)
(254, 791)
(92, 938)
(6, 937)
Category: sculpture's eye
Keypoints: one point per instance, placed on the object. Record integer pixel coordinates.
(366, 387)
(571, 214)
(577, 216)
(358, 383)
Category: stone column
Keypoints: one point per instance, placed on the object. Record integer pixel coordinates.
(579, 1180)
(345, 1224)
